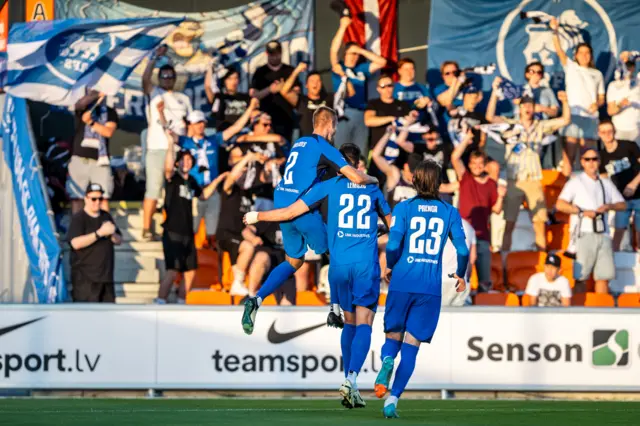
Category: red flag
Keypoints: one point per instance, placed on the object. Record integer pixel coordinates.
(374, 26)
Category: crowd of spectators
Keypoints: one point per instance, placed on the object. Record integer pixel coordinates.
(234, 170)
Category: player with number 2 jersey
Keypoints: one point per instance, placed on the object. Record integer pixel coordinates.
(310, 156)
(419, 227)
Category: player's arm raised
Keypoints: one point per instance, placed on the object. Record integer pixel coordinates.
(279, 215)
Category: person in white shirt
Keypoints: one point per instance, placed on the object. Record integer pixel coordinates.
(176, 108)
(587, 197)
(450, 297)
(623, 102)
(549, 288)
(585, 90)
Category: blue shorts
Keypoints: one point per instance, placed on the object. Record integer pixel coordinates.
(415, 313)
(357, 284)
(623, 218)
(306, 230)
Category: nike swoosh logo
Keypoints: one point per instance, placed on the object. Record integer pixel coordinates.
(274, 337)
(9, 329)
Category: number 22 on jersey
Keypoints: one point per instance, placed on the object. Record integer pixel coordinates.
(346, 218)
(431, 244)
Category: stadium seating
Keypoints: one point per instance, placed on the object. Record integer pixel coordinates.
(208, 297)
(497, 271)
(522, 264)
(525, 300)
(310, 298)
(627, 272)
(558, 236)
(552, 183)
(593, 300)
(497, 299)
(629, 300)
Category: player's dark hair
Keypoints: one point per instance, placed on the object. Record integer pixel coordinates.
(413, 160)
(323, 116)
(426, 179)
(351, 153)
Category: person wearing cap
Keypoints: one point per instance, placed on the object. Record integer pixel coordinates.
(95, 125)
(266, 84)
(524, 141)
(92, 235)
(178, 244)
(549, 288)
(351, 69)
(588, 197)
(176, 106)
(205, 150)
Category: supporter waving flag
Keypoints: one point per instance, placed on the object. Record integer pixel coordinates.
(53, 61)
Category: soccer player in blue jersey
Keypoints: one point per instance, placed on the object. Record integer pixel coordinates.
(419, 227)
(354, 272)
(309, 158)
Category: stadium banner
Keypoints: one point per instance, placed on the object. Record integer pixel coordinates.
(476, 348)
(38, 231)
(223, 39)
(77, 347)
(506, 33)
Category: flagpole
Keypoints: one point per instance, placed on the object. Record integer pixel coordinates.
(16, 11)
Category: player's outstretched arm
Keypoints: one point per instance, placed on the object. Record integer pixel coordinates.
(280, 215)
(357, 177)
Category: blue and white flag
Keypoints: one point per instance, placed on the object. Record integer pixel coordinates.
(54, 61)
(471, 31)
(227, 38)
(38, 233)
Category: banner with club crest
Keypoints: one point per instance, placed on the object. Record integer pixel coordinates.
(221, 38)
(513, 33)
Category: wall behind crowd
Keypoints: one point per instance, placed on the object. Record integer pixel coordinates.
(413, 30)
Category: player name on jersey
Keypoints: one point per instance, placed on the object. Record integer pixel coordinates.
(356, 186)
(428, 209)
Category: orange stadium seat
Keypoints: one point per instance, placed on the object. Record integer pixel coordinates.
(497, 299)
(600, 300)
(207, 272)
(522, 264)
(269, 301)
(558, 236)
(525, 300)
(497, 271)
(310, 298)
(473, 279)
(208, 297)
(629, 300)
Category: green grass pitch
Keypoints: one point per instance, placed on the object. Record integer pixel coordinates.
(309, 412)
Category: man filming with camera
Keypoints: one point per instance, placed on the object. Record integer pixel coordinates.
(587, 197)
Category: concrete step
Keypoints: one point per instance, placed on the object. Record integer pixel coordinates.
(136, 290)
(127, 260)
(136, 275)
(135, 300)
(141, 247)
(134, 221)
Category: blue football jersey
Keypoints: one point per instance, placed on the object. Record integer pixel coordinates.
(424, 225)
(352, 222)
(309, 157)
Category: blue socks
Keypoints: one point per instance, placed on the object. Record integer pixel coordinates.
(360, 347)
(390, 348)
(346, 341)
(276, 278)
(405, 369)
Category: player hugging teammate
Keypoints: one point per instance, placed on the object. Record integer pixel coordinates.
(419, 228)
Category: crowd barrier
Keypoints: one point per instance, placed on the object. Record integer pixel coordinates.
(151, 347)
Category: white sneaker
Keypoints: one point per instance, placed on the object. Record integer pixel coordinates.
(103, 160)
(238, 289)
(159, 301)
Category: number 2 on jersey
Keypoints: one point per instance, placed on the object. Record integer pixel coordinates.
(345, 220)
(430, 245)
(288, 173)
